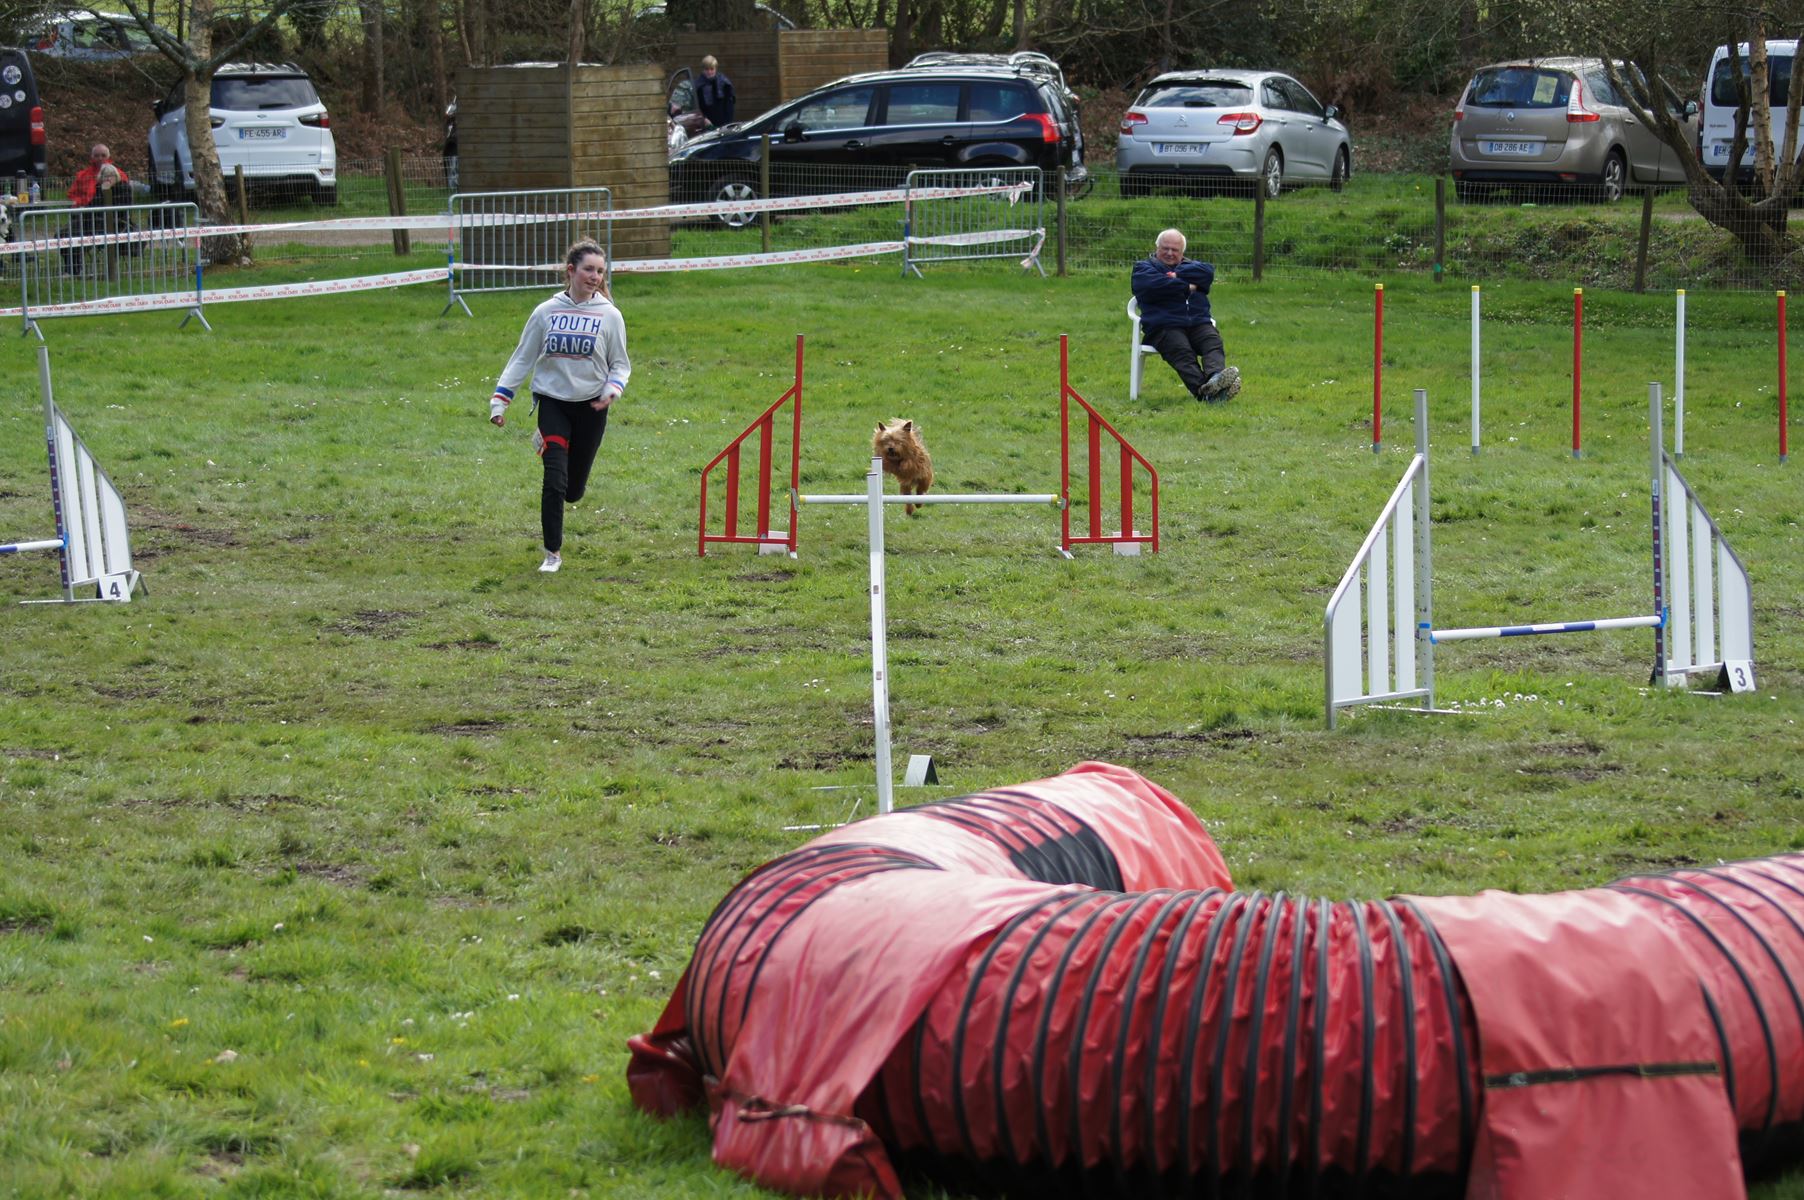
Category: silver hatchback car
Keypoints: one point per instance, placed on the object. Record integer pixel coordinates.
(1202, 127)
(1556, 121)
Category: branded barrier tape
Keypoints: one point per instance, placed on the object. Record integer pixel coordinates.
(441, 222)
(268, 291)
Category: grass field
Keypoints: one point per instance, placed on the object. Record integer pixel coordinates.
(346, 860)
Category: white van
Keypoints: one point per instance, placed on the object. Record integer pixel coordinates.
(1716, 129)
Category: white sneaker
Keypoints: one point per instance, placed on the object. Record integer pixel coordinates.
(553, 560)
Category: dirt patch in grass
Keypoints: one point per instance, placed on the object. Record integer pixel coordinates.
(476, 643)
(342, 874)
(1180, 745)
(477, 728)
(258, 802)
(47, 755)
(764, 577)
(188, 532)
(825, 760)
(24, 925)
(372, 622)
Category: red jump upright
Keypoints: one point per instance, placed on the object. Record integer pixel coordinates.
(765, 428)
(1095, 427)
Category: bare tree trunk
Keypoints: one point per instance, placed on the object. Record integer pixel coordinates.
(373, 89)
(1020, 24)
(476, 23)
(1760, 108)
(900, 43)
(432, 31)
(578, 34)
(203, 152)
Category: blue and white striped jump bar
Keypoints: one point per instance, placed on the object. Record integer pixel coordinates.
(16, 547)
(1502, 631)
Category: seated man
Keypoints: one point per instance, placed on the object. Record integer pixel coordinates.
(1173, 293)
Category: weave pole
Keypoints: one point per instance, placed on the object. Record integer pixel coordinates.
(1782, 446)
(1377, 366)
(1475, 370)
(1678, 375)
(1578, 356)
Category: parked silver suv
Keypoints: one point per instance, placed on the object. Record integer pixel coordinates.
(1556, 121)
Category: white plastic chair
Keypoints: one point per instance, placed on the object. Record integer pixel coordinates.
(1138, 349)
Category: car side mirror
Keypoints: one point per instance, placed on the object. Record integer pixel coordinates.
(794, 132)
(1691, 108)
(1332, 112)
(156, 109)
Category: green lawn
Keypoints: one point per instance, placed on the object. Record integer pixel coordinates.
(347, 859)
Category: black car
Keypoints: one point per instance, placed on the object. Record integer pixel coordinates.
(869, 131)
(21, 119)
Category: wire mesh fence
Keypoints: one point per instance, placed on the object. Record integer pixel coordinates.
(1379, 225)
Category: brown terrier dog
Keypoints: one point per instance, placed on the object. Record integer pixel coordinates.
(898, 444)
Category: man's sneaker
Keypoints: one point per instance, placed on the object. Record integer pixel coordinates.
(538, 447)
(1230, 383)
(1222, 385)
(553, 560)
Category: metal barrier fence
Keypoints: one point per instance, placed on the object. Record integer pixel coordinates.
(973, 227)
(512, 241)
(113, 258)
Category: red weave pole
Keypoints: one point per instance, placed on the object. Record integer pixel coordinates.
(1782, 377)
(1064, 445)
(1377, 366)
(1578, 354)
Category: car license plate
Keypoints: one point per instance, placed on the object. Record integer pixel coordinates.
(1181, 148)
(1524, 148)
(259, 133)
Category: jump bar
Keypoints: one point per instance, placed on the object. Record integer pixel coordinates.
(1492, 631)
(16, 547)
(978, 498)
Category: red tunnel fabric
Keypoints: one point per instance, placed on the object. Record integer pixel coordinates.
(1053, 987)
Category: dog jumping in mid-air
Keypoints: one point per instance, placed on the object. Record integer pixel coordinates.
(898, 443)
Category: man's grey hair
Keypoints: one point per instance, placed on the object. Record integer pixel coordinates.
(1171, 233)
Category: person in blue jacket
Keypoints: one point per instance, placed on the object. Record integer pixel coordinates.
(1173, 293)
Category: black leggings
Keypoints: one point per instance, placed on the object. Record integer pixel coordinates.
(572, 432)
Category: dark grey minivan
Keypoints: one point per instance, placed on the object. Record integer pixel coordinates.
(21, 119)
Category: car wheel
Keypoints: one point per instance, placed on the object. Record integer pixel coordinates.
(1337, 177)
(1615, 179)
(735, 189)
(326, 195)
(1271, 175)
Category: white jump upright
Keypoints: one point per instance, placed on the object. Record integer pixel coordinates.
(874, 500)
(91, 534)
(1379, 631)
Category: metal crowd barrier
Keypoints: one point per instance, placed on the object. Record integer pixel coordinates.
(107, 258)
(973, 227)
(511, 241)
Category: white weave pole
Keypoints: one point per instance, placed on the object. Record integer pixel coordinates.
(1678, 386)
(1475, 369)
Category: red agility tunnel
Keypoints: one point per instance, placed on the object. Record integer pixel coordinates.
(1053, 988)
